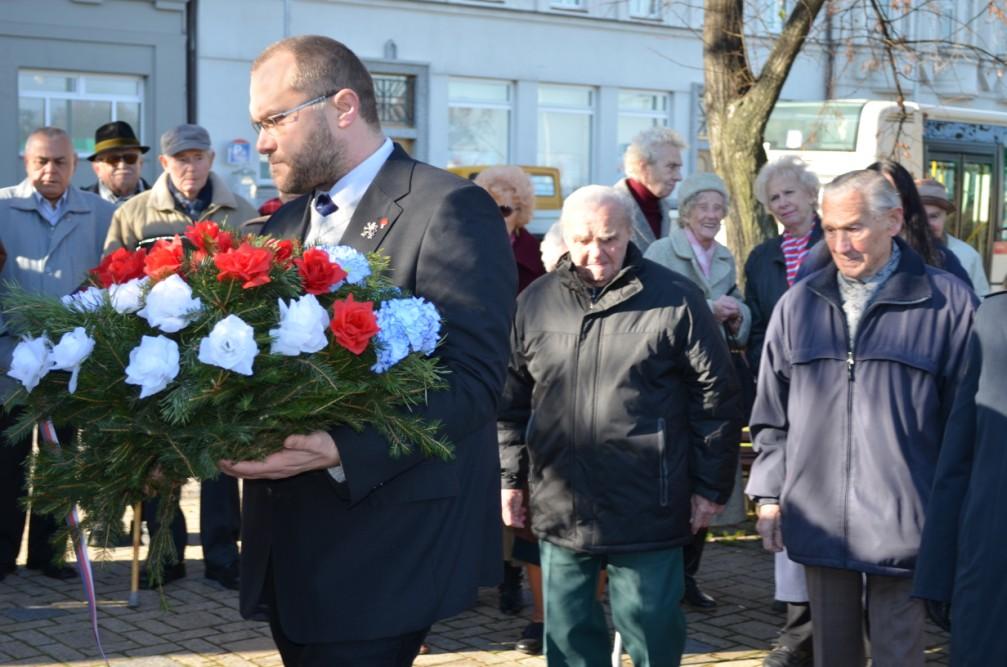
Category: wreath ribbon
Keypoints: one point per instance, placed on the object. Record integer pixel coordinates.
(79, 541)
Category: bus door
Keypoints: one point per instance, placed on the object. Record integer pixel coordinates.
(974, 177)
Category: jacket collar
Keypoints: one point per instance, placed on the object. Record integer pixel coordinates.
(643, 235)
(162, 200)
(909, 284)
(720, 266)
(625, 284)
(374, 216)
(24, 199)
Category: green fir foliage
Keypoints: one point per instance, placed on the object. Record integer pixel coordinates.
(128, 449)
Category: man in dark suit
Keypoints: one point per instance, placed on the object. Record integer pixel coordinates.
(351, 553)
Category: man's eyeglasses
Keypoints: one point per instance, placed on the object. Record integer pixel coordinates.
(270, 122)
(115, 158)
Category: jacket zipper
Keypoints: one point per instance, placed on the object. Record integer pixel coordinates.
(664, 463)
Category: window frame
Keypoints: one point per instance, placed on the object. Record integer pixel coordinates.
(591, 111)
(475, 103)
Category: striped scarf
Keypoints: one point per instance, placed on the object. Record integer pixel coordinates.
(795, 249)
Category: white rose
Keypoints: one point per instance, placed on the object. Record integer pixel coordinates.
(30, 361)
(128, 297)
(71, 351)
(152, 364)
(230, 345)
(85, 301)
(302, 327)
(170, 306)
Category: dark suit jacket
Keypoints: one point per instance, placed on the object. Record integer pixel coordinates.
(403, 542)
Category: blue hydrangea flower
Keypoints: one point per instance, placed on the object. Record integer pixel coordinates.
(354, 263)
(406, 325)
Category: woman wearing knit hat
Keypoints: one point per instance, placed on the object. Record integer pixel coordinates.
(692, 250)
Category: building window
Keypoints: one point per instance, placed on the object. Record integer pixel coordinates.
(640, 110)
(479, 112)
(645, 9)
(565, 115)
(395, 95)
(78, 103)
(568, 4)
(946, 16)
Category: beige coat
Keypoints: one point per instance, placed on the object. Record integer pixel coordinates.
(153, 213)
(675, 252)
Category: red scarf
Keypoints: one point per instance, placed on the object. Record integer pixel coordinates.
(649, 205)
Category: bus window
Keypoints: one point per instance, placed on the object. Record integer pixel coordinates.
(814, 126)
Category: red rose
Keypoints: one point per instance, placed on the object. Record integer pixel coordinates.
(353, 323)
(119, 267)
(248, 264)
(164, 259)
(317, 272)
(207, 239)
(283, 252)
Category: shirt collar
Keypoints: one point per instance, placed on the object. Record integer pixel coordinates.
(51, 212)
(350, 189)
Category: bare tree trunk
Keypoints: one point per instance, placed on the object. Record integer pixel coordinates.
(738, 105)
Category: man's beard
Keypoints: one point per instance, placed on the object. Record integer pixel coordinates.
(321, 163)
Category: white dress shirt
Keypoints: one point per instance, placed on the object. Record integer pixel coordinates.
(346, 194)
(329, 229)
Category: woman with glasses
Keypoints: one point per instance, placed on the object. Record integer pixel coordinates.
(512, 190)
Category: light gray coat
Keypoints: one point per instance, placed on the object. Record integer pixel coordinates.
(643, 235)
(675, 252)
(44, 258)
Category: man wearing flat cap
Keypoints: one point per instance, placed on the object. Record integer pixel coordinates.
(188, 192)
(935, 200)
(117, 161)
(185, 193)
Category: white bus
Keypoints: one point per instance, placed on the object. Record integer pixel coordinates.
(965, 149)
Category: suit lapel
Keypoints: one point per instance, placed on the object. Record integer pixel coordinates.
(291, 221)
(378, 211)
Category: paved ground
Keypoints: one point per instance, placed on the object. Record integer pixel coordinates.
(44, 622)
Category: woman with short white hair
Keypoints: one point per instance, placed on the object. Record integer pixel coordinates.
(789, 192)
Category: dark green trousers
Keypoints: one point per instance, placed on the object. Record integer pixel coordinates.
(644, 592)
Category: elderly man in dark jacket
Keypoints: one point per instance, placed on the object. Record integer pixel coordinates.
(622, 408)
(858, 375)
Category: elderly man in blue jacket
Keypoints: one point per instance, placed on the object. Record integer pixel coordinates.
(859, 372)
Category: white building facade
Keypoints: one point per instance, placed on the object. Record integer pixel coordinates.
(562, 83)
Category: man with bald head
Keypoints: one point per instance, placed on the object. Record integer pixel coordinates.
(621, 411)
(53, 235)
(351, 553)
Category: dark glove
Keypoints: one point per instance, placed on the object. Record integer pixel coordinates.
(940, 613)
